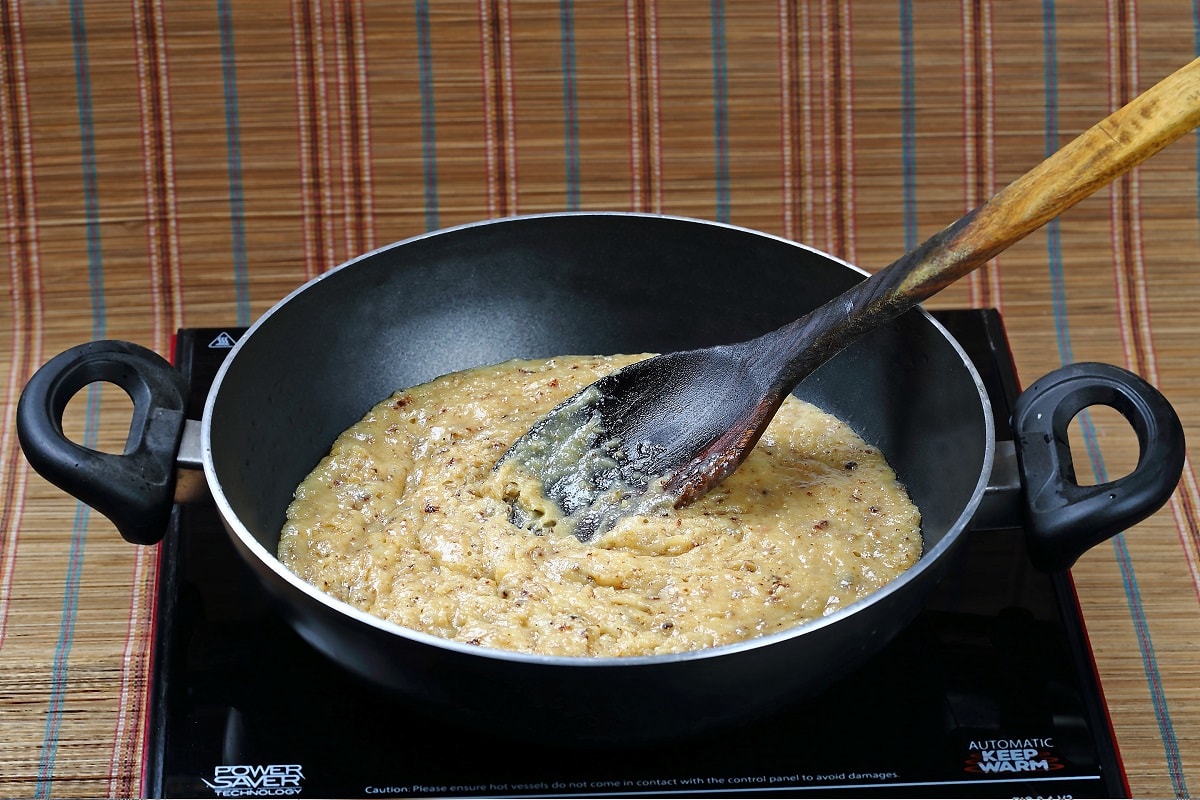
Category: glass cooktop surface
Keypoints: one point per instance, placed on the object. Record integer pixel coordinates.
(991, 692)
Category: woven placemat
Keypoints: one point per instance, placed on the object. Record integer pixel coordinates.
(170, 164)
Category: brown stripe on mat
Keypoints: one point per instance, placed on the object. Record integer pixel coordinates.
(313, 129)
(1124, 204)
(133, 701)
(645, 143)
(796, 120)
(158, 163)
(500, 135)
(354, 103)
(1186, 509)
(839, 130)
(979, 149)
(21, 226)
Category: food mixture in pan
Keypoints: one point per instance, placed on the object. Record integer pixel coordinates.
(406, 519)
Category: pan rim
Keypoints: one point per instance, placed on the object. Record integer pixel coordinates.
(249, 543)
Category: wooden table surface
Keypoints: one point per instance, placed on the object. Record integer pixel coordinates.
(171, 164)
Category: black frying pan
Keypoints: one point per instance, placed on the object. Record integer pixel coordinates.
(590, 283)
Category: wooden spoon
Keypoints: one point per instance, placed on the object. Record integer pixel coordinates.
(666, 430)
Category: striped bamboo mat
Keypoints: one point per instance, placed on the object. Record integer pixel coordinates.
(180, 163)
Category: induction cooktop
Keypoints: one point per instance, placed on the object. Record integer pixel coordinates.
(991, 692)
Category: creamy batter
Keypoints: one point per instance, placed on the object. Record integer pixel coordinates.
(406, 519)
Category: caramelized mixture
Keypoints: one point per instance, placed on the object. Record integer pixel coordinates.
(406, 519)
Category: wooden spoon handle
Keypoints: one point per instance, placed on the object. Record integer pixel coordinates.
(1094, 159)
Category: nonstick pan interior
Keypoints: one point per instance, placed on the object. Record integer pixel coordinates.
(575, 283)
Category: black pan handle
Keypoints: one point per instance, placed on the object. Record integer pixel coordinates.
(135, 489)
(1063, 519)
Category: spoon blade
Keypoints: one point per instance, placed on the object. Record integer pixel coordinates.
(647, 437)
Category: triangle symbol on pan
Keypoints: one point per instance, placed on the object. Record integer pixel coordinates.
(223, 342)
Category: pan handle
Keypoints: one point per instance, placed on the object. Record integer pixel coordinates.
(134, 489)
(1063, 519)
